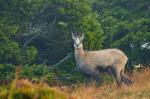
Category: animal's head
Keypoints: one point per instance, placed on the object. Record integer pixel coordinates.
(78, 40)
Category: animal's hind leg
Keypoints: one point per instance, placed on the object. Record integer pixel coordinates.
(117, 76)
(125, 79)
(118, 79)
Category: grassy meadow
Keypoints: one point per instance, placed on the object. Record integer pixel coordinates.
(25, 89)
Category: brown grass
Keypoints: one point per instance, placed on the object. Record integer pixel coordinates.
(139, 90)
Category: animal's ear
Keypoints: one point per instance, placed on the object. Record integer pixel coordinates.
(82, 37)
(73, 36)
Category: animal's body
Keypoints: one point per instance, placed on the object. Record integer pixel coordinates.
(90, 62)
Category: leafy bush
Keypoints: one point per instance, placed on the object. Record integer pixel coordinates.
(68, 73)
(7, 71)
(36, 72)
(33, 72)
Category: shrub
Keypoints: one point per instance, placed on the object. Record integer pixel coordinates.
(33, 72)
(24, 89)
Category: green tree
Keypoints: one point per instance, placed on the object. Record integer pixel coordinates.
(58, 20)
(126, 26)
(13, 12)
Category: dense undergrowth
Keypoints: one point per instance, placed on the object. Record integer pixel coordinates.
(27, 89)
(24, 89)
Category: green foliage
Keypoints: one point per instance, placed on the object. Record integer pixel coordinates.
(108, 79)
(62, 18)
(11, 51)
(39, 32)
(37, 72)
(126, 26)
(67, 72)
(29, 55)
(93, 32)
(7, 72)
(33, 72)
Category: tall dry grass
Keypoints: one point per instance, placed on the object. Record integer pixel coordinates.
(139, 90)
(25, 89)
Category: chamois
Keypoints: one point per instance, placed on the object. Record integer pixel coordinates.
(91, 62)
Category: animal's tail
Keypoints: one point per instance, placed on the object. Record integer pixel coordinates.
(125, 79)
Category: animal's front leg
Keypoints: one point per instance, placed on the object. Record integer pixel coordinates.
(97, 78)
(88, 79)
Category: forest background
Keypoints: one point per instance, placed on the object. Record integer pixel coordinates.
(36, 34)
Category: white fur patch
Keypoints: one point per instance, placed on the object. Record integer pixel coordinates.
(77, 41)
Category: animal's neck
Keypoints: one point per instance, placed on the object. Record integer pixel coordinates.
(79, 52)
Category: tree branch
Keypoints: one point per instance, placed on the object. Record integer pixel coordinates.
(61, 61)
